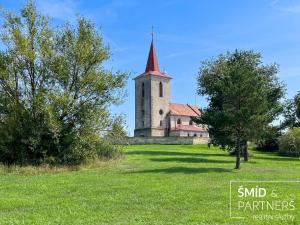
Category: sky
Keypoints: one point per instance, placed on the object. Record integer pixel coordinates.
(185, 33)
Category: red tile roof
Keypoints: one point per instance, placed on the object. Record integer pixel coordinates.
(188, 128)
(155, 73)
(184, 110)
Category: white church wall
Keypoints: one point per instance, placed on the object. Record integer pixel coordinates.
(185, 120)
(203, 134)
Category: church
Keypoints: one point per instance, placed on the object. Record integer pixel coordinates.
(155, 115)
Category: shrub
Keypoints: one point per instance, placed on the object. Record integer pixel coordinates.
(289, 143)
(106, 150)
(269, 139)
(268, 145)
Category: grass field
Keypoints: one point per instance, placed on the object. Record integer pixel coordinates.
(154, 184)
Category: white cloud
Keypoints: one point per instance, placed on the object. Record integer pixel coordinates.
(290, 6)
(68, 9)
(59, 9)
(108, 13)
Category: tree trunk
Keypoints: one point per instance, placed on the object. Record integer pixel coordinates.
(246, 154)
(238, 154)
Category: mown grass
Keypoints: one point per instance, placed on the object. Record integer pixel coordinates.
(153, 184)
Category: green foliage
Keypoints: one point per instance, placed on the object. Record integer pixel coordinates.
(289, 143)
(118, 132)
(243, 96)
(106, 150)
(54, 91)
(292, 112)
(269, 139)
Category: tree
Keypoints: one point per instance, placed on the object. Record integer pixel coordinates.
(292, 112)
(118, 132)
(243, 96)
(289, 143)
(54, 90)
(212, 116)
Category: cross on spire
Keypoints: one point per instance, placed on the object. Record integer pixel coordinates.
(152, 63)
(152, 32)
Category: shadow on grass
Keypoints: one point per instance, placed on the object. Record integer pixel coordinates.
(278, 158)
(273, 156)
(170, 153)
(185, 170)
(190, 160)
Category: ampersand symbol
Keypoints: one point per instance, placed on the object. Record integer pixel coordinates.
(274, 194)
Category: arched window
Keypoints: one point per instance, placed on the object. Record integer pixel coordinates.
(161, 112)
(160, 89)
(179, 121)
(160, 123)
(191, 122)
(143, 90)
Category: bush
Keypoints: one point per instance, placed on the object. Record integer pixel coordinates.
(106, 150)
(269, 140)
(268, 145)
(289, 144)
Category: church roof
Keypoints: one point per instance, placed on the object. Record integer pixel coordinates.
(152, 67)
(152, 63)
(184, 110)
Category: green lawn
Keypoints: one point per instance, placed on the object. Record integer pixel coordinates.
(153, 184)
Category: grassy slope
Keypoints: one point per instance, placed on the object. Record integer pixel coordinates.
(155, 185)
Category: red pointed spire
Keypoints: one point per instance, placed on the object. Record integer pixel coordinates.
(152, 63)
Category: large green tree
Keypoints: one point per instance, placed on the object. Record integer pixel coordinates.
(54, 90)
(243, 95)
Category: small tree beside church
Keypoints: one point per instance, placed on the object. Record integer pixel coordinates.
(243, 95)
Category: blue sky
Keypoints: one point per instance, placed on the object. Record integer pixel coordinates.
(186, 32)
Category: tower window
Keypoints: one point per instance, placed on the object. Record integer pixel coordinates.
(160, 89)
(143, 112)
(143, 90)
(160, 123)
(161, 112)
(179, 121)
(143, 123)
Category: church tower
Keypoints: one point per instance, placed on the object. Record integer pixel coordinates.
(152, 99)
